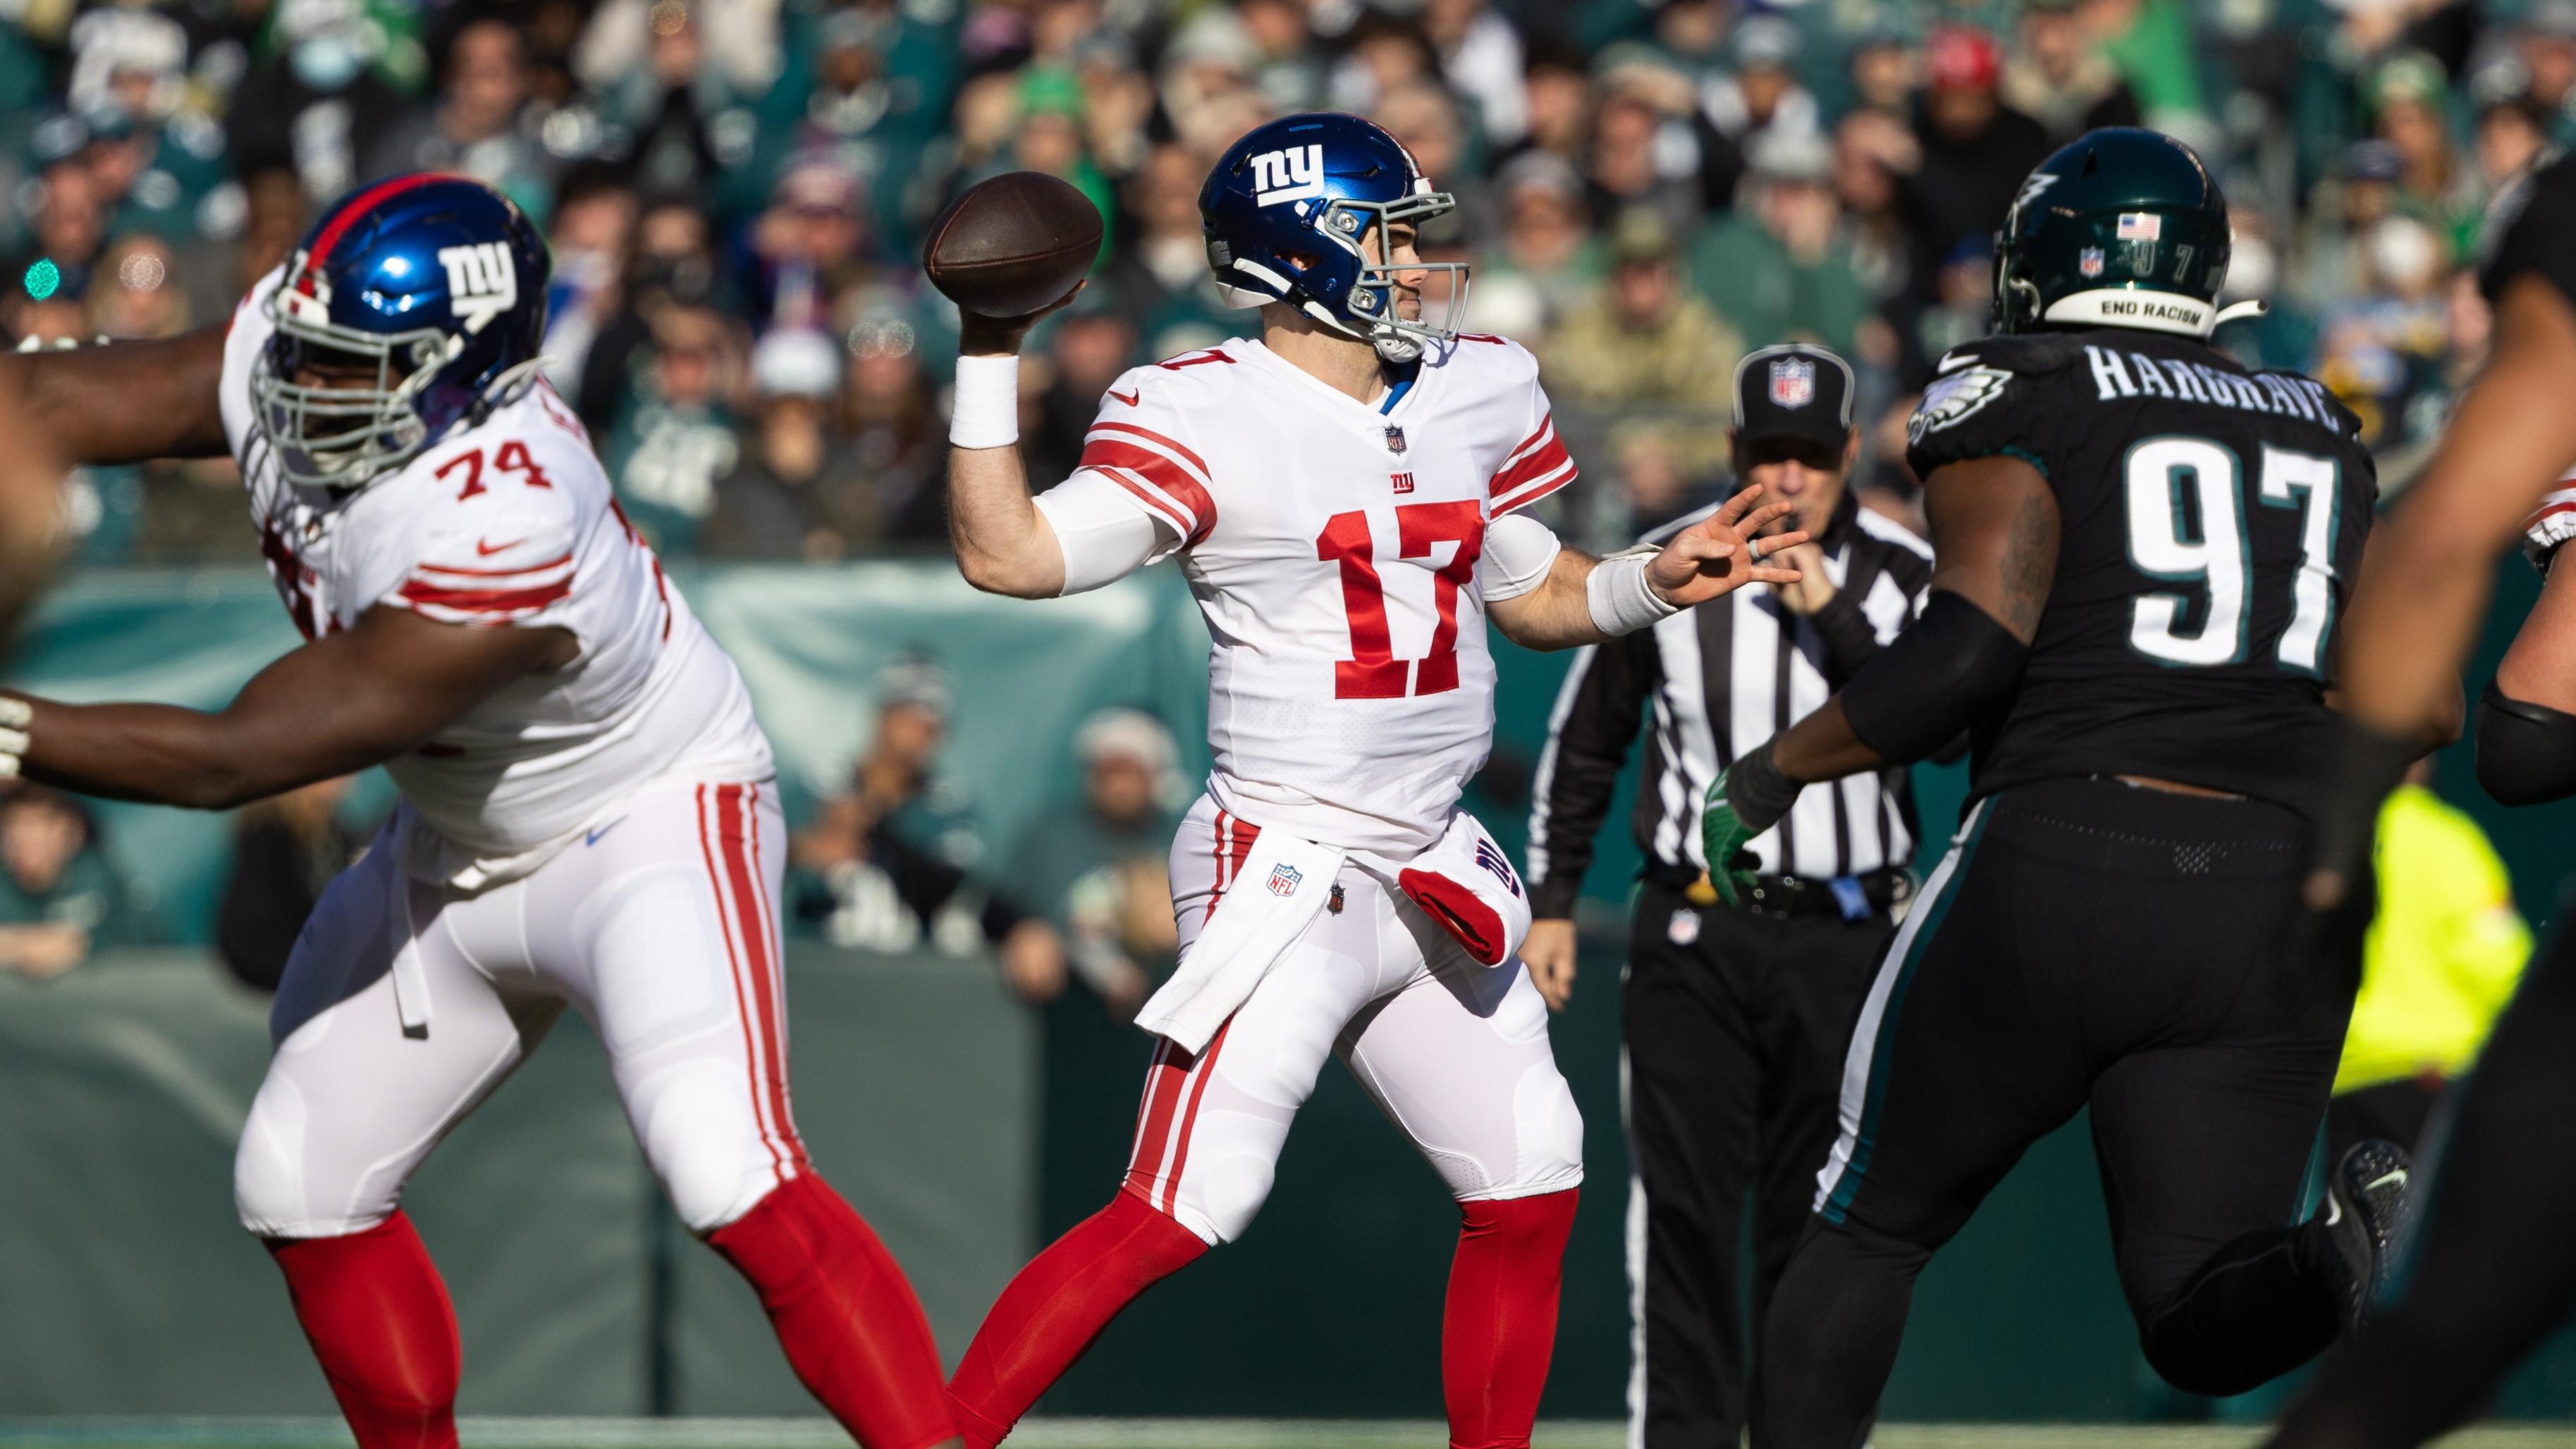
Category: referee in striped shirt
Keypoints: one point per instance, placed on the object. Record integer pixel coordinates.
(1735, 1019)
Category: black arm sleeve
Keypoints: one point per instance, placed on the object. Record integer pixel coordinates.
(2526, 751)
(1936, 680)
(1587, 743)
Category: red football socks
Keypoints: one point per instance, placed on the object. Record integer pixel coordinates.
(379, 1321)
(1499, 1328)
(1058, 1304)
(843, 1310)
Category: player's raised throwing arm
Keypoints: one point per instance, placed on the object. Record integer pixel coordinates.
(344, 702)
(1005, 545)
(128, 402)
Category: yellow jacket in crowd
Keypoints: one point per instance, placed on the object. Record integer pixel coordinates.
(2443, 957)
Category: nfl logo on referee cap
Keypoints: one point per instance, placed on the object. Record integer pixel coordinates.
(1793, 382)
(1284, 878)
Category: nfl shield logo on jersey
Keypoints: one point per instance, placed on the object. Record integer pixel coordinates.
(1793, 382)
(1284, 878)
(1395, 440)
(2089, 261)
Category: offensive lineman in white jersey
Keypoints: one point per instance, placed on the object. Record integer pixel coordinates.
(1345, 496)
(587, 809)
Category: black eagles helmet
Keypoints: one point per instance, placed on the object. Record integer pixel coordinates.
(2121, 227)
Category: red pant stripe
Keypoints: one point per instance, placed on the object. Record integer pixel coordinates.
(733, 954)
(1206, 1066)
(737, 812)
(1170, 1072)
(768, 915)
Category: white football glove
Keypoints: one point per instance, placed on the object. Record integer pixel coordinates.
(15, 716)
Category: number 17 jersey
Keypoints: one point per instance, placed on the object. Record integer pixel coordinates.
(1336, 551)
(2210, 525)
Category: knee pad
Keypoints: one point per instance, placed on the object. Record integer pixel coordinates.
(279, 1192)
(1547, 1134)
(1226, 1196)
(696, 1127)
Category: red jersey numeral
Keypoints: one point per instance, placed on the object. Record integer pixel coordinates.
(513, 457)
(1373, 671)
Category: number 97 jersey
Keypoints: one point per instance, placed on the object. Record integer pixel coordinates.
(1337, 553)
(2210, 526)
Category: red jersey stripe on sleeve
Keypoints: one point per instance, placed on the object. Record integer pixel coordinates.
(1187, 496)
(1533, 491)
(1162, 507)
(420, 593)
(1193, 459)
(454, 571)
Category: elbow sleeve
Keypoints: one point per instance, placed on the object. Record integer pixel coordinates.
(1938, 678)
(2526, 752)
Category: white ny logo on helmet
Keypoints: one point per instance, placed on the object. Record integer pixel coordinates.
(482, 282)
(1288, 175)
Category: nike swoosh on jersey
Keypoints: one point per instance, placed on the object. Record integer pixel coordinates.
(1129, 398)
(486, 550)
(593, 837)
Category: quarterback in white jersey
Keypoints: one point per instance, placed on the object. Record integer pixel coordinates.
(587, 816)
(1346, 495)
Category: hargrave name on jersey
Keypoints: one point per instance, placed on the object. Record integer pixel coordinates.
(2118, 374)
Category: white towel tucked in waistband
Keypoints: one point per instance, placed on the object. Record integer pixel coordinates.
(1281, 885)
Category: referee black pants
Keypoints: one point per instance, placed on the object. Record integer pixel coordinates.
(2085, 943)
(2491, 1268)
(1735, 1027)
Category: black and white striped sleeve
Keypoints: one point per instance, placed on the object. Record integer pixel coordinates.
(1588, 734)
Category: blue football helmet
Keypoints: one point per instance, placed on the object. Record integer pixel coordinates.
(412, 305)
(1288, 211)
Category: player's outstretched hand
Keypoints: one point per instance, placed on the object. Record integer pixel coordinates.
(982, 336)
(1721, 553)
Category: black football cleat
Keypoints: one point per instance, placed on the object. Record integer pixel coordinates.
(2366, 1210)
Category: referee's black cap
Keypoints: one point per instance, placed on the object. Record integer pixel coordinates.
(1794, 390)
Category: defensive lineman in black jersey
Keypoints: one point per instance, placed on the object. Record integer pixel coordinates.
(2491, 1268)
(2140, 550)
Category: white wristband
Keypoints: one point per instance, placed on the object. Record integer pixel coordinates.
(1622, 601)
(986, 411)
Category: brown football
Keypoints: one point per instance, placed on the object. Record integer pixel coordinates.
(1012, 244)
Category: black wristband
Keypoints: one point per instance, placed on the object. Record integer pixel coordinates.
(1759, 793)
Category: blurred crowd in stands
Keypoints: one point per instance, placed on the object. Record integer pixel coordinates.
(736, 189)
(735, 192)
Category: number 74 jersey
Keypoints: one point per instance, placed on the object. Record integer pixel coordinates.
(1337, 551)
(2210, 527)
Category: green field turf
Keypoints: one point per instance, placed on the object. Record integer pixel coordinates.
(1110, 1434)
